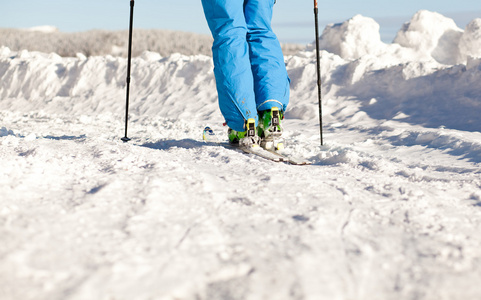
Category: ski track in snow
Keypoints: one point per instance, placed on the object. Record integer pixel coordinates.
(389, 209)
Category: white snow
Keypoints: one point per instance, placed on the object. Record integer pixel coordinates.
(433, 34)
(390, 208)
(44, 29)
(353, 39)
(470, 43)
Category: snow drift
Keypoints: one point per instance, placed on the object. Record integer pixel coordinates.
(389, 209)
(427, 36)
(410, 81)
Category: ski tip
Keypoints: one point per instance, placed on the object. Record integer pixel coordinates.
(208, 134)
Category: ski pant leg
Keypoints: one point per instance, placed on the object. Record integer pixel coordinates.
(232, 67)
(271, 82)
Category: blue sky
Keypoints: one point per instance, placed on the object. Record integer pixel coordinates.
(293, 19)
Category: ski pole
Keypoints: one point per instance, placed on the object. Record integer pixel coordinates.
(319, 88)
(132, 2)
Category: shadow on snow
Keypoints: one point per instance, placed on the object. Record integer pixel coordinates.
(170, 144)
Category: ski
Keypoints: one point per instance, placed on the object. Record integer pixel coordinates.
(273, 155)
(277, 147)
(209, 136)
(257, 150)
(289, 158)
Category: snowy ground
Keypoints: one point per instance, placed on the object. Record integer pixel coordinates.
(389, 209)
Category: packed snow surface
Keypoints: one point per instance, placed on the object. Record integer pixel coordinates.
(389, 209)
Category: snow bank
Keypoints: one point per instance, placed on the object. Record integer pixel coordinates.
(352, 39)
(470, 42)
(409, 81)
(36, 81)
(427, 36)
(432, 33)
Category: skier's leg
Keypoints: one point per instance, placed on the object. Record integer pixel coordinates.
(271, 82)
(232, 66)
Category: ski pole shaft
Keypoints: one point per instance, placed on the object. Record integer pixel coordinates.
(132, 3)
(319, 83)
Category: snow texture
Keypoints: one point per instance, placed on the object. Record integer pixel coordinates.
(389, 209)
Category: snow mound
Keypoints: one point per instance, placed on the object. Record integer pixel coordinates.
(34, 80)
(428, 36)
(432, 33)
(44, 29)
(470, 43)
(352, 39)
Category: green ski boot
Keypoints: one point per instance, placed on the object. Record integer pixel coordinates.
(270, 129)
(248, 138)
(235, 136)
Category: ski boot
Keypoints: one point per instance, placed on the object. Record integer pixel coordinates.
(248, 138)
(270, 129)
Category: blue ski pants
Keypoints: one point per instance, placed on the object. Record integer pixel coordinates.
(249, 65)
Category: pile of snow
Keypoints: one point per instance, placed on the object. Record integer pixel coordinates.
(44, 29)
(433, 34)
(427, 36)
(470, 42)
(352, 39)
(407, 82)
(389, 208)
